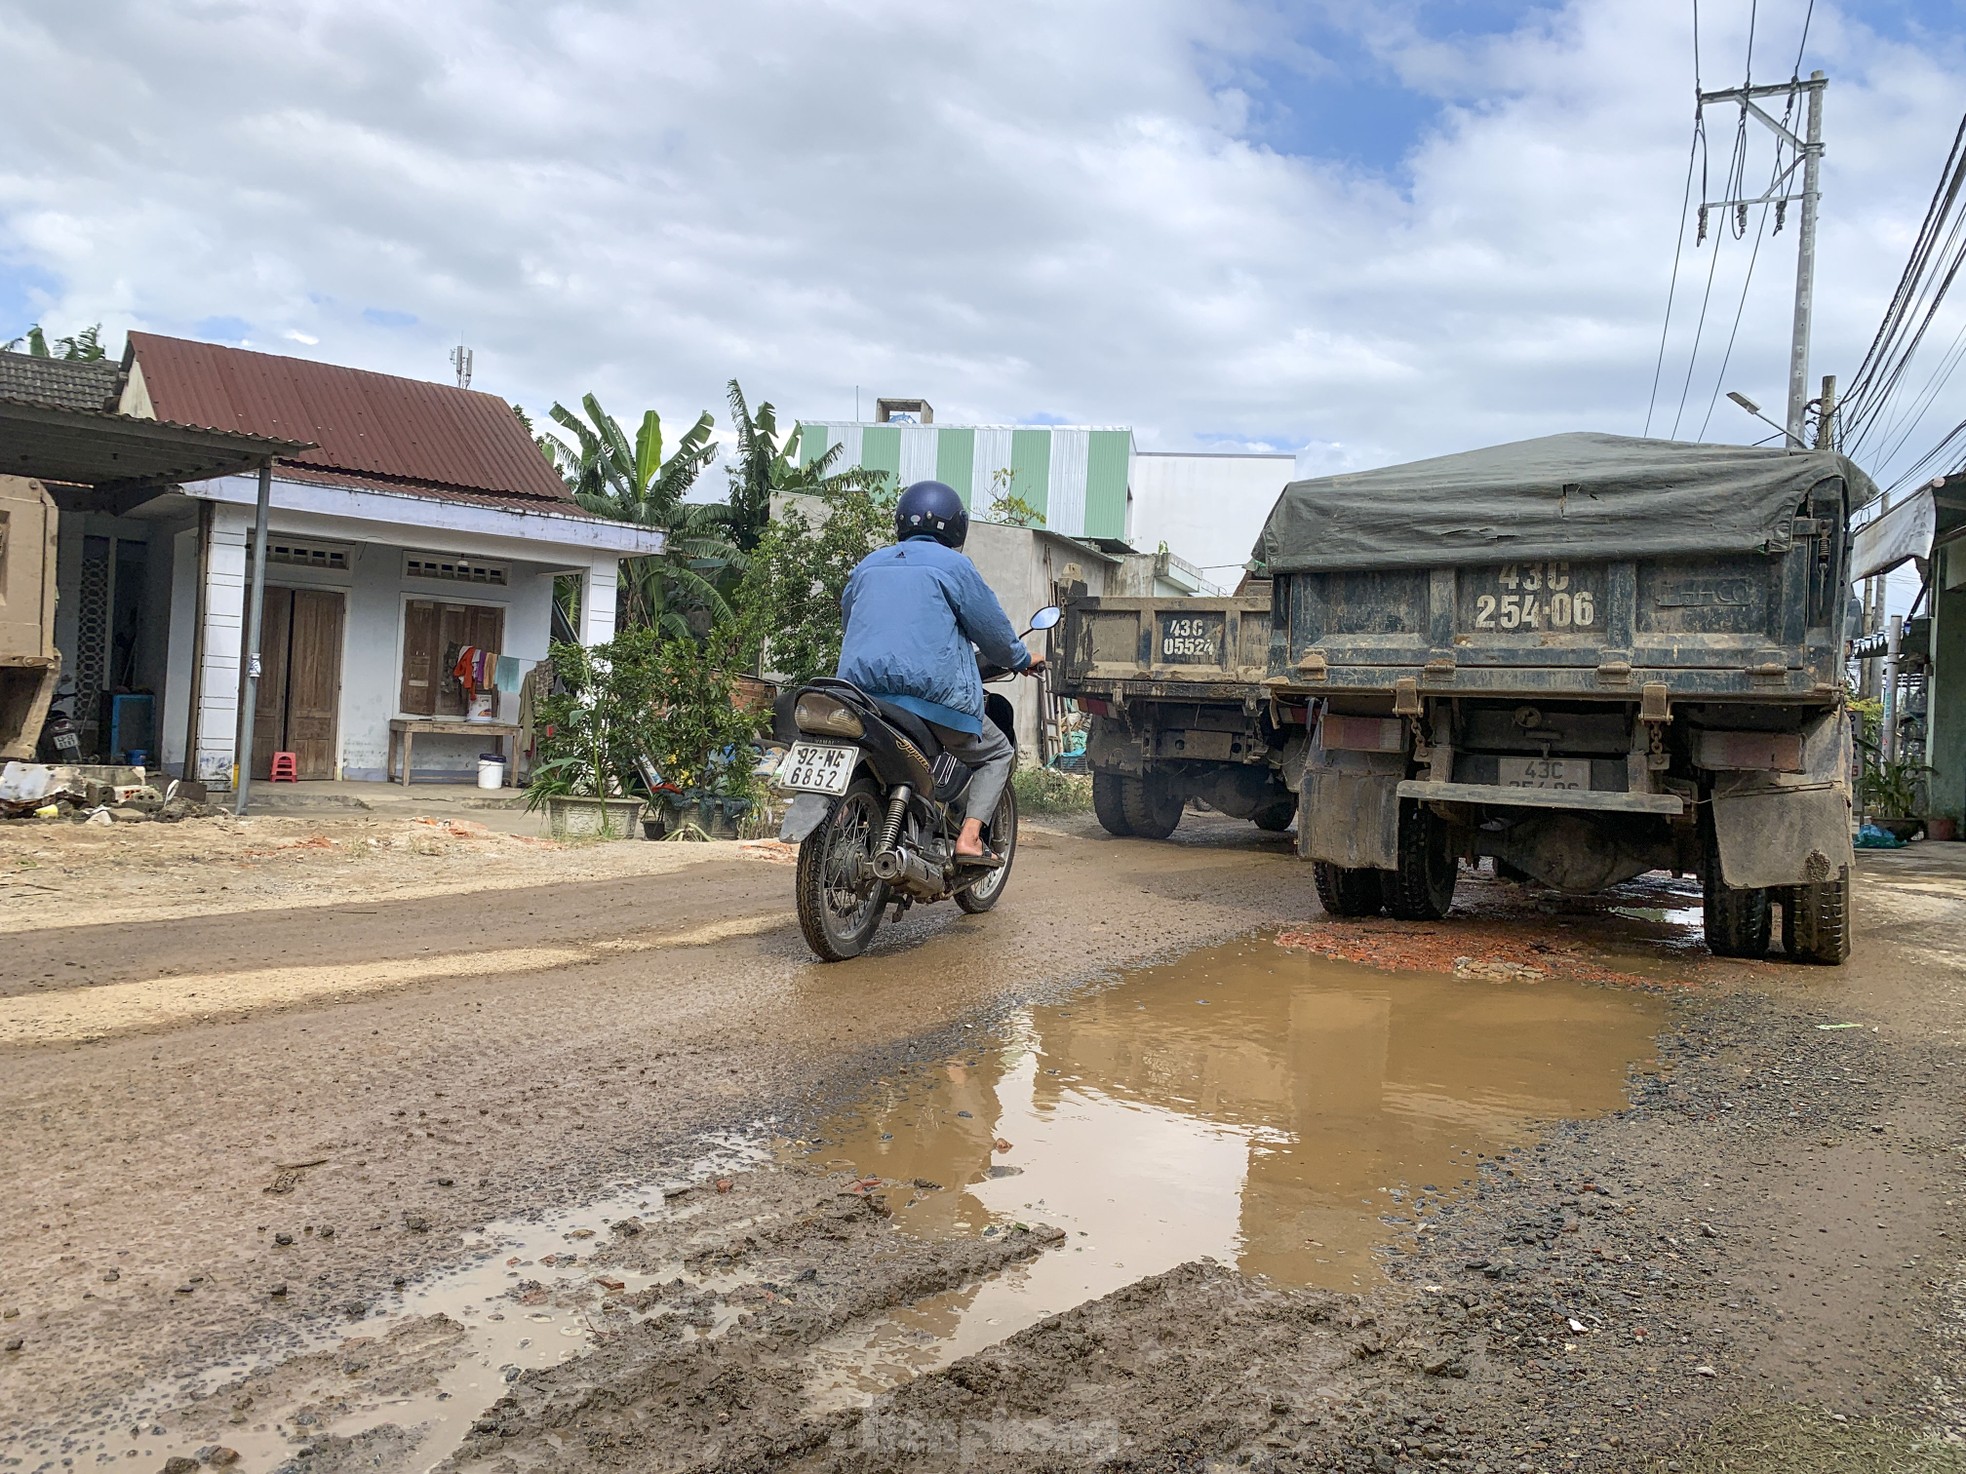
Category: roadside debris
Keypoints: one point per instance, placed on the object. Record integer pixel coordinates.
(95, 794)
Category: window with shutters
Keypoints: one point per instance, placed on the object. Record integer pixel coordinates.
(433, 633)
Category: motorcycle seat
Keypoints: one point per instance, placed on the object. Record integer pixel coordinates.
(913, 727)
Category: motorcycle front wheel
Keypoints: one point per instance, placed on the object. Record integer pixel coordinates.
(839, 912)
(1001, 834)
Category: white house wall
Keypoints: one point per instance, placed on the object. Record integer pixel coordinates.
(376, 590)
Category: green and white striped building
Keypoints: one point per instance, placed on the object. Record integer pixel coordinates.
(1077, 476)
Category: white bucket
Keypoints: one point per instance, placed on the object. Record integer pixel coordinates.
(491, 772)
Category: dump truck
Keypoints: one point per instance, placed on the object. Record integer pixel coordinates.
(1174, 690)
(29, 663)
(1581, 657)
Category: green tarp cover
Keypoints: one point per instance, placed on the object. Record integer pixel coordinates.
(1585, 497)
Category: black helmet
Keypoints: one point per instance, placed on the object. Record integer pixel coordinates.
(931, 509)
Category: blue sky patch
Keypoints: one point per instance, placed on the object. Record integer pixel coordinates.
(388, 317)
(222, 329)
(21, 289)
(1344, 101)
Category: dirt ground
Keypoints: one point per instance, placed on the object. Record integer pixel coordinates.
(363, 1144)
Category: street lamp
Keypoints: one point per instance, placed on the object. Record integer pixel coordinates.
(1754, 409)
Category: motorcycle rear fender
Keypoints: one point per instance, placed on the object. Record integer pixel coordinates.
(808, 812)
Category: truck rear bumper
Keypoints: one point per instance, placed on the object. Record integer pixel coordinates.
(1591, 800)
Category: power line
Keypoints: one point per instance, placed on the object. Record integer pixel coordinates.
(1699, 327)
(1672, 284)
(1696, 150)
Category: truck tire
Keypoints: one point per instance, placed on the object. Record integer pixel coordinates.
(1738, 920)
(1423, 887)
(1277, 817)
(1109, 803)
(1816, 922)
(1345, 892)
(1152, 809)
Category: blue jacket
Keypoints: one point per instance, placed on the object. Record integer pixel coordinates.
(913, 611)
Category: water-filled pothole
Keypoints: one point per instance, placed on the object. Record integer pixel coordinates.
(1283, 1112)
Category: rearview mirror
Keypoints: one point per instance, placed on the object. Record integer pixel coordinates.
(1046, 617)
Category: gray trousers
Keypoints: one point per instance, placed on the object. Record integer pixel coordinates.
(990, 754)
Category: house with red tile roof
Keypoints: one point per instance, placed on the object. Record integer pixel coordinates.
(420, 523)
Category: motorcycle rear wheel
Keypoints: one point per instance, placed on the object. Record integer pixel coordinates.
(838, 917)
(1001, 835)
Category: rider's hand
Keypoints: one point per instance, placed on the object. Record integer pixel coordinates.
(1036, 667)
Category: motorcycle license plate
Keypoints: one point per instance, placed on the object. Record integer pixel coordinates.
(1546, 772)
(818, 767)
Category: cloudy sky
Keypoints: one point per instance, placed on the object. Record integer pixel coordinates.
(1361, 233)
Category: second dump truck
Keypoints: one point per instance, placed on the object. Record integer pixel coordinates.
(1582, 657)
(1174, 691)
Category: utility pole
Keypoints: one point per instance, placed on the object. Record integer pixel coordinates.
(1809, 158)
(1826, 415)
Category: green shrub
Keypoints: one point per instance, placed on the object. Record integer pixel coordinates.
(1048, 791)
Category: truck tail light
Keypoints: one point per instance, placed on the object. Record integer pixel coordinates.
(1361, 734)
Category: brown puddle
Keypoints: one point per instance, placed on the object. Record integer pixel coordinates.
(1268, 1108)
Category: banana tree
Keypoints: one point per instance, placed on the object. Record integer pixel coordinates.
(631, 481)
(762, 467)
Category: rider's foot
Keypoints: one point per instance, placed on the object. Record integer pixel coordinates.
(970, 849)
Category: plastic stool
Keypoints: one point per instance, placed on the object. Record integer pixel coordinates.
(286, 768)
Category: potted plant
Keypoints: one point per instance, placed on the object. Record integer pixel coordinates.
(592, 729)
(705, 730)
(1888, 789)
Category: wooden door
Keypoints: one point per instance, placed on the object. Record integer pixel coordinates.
(314, 680)
(270, 707)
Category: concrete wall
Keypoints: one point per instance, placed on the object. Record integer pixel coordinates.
(1945, 699)
(1021, 567)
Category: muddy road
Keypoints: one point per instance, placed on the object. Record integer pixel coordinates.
(339, 1169)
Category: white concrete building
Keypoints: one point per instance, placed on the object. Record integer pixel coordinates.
(422, 520)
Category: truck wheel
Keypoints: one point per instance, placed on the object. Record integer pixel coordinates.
(1108, 802)
(1737, 919)
(1277, 817)
(1152, 809)
(1816, 922)
(1345, 892)
(1423, 887)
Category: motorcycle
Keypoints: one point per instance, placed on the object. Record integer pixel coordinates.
(875, 814)
(60, 742)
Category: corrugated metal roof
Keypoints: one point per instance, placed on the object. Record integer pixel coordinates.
(93, 447)
(424, 438)
(60, 383)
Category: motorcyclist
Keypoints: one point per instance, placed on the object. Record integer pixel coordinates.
(913, 610)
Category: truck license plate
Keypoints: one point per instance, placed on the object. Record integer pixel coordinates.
(818, 767)
(1545, 772)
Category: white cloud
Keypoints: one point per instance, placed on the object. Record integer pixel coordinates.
(1015, 209)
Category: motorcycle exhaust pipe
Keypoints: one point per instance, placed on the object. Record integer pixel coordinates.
(909, 870)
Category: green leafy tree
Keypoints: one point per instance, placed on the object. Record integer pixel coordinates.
(1006, 506)
(790, 596)
(646, 695)
(677, 590)
(83, 347)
